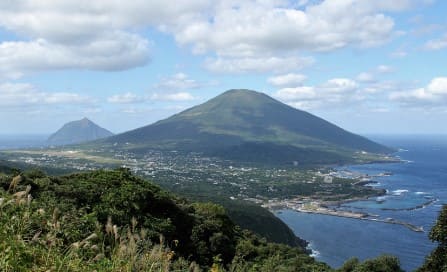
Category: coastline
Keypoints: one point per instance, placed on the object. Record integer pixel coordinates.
(330, 207)
(319, 208)
(418, 175)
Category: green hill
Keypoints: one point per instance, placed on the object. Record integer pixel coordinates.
(114, 221)
(77, 132)
(250, 126)
(107, 220)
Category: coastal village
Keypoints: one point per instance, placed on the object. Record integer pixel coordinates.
(320, 191)
(195, 172)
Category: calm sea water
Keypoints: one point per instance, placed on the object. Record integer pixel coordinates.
(421, 179)
(22, 141)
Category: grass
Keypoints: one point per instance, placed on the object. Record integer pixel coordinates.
(32, 238)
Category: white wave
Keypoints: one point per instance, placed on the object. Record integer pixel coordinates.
(399, 192)
(421, 193)
(315, 253)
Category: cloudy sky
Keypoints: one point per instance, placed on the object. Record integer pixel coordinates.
(370, 66)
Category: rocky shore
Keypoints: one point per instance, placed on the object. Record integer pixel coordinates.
(318, 206)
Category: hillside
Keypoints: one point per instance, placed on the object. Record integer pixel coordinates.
(92, 213)
(250, 126)
(114, 221)
(77, 132)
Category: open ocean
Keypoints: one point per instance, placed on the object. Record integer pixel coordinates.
(22, 141)
(421, 179)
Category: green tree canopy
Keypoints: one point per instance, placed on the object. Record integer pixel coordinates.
(437, 260)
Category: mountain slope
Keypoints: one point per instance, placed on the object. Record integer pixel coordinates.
(77, 132)
(115, 215)
(248, 125)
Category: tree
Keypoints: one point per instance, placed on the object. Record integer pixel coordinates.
(437, 260)
(384, 263)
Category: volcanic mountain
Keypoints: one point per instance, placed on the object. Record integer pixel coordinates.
(77, 132)
(250, 126)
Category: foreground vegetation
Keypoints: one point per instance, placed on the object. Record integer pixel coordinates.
(239, 188)
(114, 221)
(437, 260)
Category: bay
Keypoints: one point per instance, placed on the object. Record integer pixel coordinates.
(416, 191)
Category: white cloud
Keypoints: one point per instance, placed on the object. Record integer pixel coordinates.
(380, 110)
(344, 94)
(257, 64)
(371, 77)
(161, 111)
(438, 86)
(437, 44)
(250, 36)
(399, 54)
(126, 98)
(375, 87)
(365, 77)
(302, 3)
(169, 89)
(64, 98)
(435, 93)
(175, 97)
(92, 110)
(339, 85)
(139, 111)
(252, 28)
(396, 5)
(24, 94)
(287, 80)
(65, 21)
(333, 93)
(384, 69)
(116, 52)
(179, 81)
(296, 94)
(83, 34)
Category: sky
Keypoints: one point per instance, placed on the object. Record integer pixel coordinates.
(369, 66)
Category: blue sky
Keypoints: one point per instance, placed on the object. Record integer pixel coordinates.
(370, 66)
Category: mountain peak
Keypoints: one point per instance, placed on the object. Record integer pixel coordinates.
(231, 103)
(240, 92)
(245, 122)
(77, 132)
(244, 94)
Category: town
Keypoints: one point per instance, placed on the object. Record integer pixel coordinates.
(192, 174)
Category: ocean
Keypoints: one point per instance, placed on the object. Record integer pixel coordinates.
(416, 190)
(22, 141)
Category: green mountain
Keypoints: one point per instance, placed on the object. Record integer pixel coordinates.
(114, 221)
(77, 132)
(250, 126)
